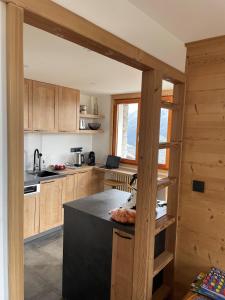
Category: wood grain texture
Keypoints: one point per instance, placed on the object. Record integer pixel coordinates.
(55, 19)
(147, 185)
(69, 109)
(201, 215)
(28, 102)
(45, 107)
(51, 197)
(31, 215)
(122, 259)
(15, 84)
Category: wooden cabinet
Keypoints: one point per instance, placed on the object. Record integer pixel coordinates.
(89, 183)
(83, 184)
(69, 109)
(45, 107)
(27, 104)
(31, 215)
(51, 196)
(122, 265)
(50, 108)
(70, 188)
(96, 182)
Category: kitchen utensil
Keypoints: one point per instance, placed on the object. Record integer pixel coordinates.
(94, 126)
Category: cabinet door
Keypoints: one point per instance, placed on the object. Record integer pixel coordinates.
(51, 196)
(83, 184)
(27, 92)
(70, 188)
(69, 107)
(96, 182)
(31, 215)
(122, 265)
(45, 106)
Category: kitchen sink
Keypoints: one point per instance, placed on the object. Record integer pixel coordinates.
(46, 174)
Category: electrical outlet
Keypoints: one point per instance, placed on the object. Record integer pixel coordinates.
(198, 186)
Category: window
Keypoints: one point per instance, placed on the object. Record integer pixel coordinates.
(126, 116)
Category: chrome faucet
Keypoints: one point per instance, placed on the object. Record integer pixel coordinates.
(37, 156)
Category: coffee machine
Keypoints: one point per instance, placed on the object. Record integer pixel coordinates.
(78, 156)
(91, 159)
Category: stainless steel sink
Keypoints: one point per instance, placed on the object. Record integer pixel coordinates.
(44, 173)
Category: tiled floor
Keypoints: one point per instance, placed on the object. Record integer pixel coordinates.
(43, 268)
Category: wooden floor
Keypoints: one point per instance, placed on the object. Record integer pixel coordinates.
(43, 268)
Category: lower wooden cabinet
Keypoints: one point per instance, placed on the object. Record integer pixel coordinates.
(70, 188)
(122, 265)
(89, 183)
(44, 211)
(51, 196)
(31, 215)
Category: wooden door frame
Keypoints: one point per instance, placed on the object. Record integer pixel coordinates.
(59, 21)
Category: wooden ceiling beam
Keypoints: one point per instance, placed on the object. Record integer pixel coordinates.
(62, 22)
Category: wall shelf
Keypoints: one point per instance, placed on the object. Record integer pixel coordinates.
(86, 131)
(90, 116)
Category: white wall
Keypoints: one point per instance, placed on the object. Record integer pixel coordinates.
(126, 21)
(101, 142)
(3, 161)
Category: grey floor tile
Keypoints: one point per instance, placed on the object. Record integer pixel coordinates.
(43, 268)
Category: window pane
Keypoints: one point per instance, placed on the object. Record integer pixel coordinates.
(164, 118)
(162, 157)
(163, 136)
(127, 130)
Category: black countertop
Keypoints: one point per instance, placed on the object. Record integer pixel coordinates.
(30, 179)
(100, 204)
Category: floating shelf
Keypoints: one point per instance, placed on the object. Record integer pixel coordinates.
(86, 131)
(90, 116)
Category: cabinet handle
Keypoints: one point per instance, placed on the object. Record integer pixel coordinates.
(122, 236)
(47, 182)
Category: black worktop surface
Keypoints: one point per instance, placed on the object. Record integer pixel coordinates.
(30, 179)
(100, 204)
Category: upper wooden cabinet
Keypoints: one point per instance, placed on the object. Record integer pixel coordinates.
(45, 106)
(50, 108)
(69, 105)
(27, 104)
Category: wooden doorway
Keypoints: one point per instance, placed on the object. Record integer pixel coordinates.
(55, 19)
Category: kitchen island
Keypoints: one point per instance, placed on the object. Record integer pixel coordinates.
(88, 243)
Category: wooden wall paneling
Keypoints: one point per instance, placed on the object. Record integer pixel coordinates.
(15, 84)
(200, 242)
(57, 20)
(28, 104)
(147, 186)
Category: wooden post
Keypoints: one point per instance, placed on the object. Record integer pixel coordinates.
(15, 84)
(147, 185)
(174, 171)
